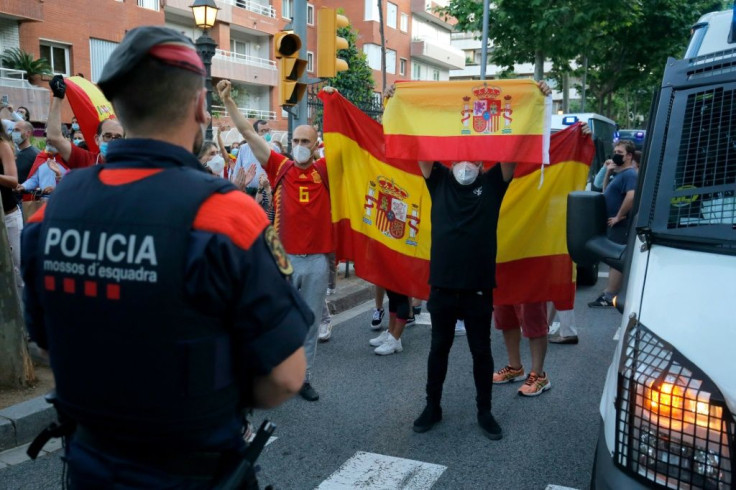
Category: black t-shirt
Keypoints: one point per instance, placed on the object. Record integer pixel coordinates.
(24, 161)
(6, 194)
(464, 221)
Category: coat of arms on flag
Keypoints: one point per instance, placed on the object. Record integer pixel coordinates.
(385, 202)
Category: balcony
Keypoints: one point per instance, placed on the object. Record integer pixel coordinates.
(20, 92)
(436, 53)
(243, 68)
(249, 10)
(425, 10)
(251, 6)
(248, 112)
(23, 9)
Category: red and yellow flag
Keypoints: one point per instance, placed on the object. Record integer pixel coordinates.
(491, 121)
(89, 106)
(381, 211)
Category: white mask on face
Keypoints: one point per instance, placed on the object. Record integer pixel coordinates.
(302, 154)
(217, 164)
(465, 172)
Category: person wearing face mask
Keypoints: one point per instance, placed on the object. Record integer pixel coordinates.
(200, 321)
(466, 202)
(75, 156)
(302, 215)
(619, 196)
(246, 159)
(26, 154)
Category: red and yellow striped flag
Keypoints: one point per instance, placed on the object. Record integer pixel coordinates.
(89, 106)
(381, 211)
(492, 121)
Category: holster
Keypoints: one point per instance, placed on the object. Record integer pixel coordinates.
(244, 475)
(63, 427)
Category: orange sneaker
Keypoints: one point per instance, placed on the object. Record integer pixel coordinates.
(535, 385)
(508, 375)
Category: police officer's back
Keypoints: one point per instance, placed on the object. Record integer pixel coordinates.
(149, 282)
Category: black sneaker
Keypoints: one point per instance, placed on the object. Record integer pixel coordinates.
(417, 310)
(490, 427)
(430, 416)
(308, 393)
(377, 319)
(601, 302)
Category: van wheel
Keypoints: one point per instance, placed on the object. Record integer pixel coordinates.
(588, 275)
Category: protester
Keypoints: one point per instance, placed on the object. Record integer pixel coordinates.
(389, 341)
(75, 156)
(188, 317)
(13, 218)
(45, 178)
(302, 215)
(246, 159)
(26, 154)
(465, 207)
(619, 196)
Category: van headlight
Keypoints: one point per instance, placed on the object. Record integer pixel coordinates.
(673, 427)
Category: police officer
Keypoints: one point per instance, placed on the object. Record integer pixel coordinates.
(159, 290)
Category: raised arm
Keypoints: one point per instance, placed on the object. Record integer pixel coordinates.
(53, 123)
(260, 148)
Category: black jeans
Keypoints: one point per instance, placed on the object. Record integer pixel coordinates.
(476, 308)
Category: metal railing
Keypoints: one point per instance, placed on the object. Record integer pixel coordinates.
(13, 78)
(265, 10)
(248, 112)
(245, 59)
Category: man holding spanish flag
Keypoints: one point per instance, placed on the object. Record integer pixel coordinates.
(466, 202)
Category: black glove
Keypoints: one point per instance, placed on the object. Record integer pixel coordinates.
(58, 87)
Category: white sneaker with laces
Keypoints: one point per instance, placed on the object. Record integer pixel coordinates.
(380, 339)
(389, 347)
(460, 328)
(377, 319)
(325, 331)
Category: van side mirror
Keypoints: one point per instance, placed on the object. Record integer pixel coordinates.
(587, 242)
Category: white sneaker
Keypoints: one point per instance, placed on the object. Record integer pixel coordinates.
(460, 328)
(330, 291)
(389, 347)
(325, 331)
(380, 339)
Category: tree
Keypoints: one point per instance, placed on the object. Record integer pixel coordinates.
(16, 368)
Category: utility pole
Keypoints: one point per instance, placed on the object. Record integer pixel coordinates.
(299, 23)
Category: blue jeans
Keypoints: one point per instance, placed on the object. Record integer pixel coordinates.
(310, 279)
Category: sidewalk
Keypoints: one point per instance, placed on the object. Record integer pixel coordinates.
(20, 423)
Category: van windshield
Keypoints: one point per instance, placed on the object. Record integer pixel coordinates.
(698, 181)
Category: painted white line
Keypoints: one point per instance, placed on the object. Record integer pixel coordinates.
(603, 274)
(371, 471)
(558, 487)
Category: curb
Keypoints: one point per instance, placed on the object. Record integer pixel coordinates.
(21, 423)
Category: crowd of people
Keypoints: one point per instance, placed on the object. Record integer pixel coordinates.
(235, 288)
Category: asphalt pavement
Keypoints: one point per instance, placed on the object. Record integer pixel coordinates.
(358, 435)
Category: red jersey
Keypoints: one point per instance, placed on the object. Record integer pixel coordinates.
(301, 206)
(80, 158)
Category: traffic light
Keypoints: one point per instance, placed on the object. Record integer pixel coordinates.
(329, 43)
(286, 46)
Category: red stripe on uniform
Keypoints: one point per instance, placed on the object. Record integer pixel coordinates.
(113, 291)
(69, 285)
(90, 288)
(49, 282)
(124, 176)
(37, 217)
(233, 214)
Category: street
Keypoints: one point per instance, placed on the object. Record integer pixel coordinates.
(359, 434)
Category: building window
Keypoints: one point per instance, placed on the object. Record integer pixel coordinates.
(310, 61)
(377, 99)
(58, 56)
(287, 9)
(404, 23)
(99, 53)
(240, 47)
(149, 4)
(310, 14)
(402, 67)
(373, 55)
(391, 12)
(391, 61)
(371, 10)
(416, 71)
(435, 74)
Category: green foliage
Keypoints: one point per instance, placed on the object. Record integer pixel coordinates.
(17, 59)
(626, 43)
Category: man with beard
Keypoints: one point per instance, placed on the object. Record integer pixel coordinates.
(188, 317)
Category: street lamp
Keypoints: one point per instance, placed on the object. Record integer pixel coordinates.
(205, 14)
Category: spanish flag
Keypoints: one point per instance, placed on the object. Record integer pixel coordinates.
(381, 211)
(89, 106)
(492, 121)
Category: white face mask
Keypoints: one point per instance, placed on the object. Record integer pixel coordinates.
(302, 154)
(17, 137)
(217, 164)
(465, 172)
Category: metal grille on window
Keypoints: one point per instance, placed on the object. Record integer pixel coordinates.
(704, 186)
(673, 428)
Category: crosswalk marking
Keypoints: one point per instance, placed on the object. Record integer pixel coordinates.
(372, 471)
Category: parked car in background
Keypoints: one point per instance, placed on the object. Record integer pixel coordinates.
(638, 136)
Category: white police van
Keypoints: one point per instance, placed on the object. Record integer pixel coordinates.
(669, 400)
